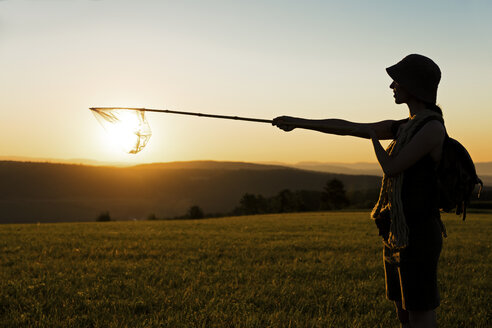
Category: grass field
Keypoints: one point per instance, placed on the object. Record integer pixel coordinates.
(294, 270)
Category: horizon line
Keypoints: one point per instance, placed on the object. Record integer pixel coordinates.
(88, 161)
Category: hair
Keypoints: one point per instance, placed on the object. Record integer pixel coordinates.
(434, 108)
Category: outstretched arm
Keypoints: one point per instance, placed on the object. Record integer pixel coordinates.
(381, 129)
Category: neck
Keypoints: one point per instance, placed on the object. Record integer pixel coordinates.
(415, 106)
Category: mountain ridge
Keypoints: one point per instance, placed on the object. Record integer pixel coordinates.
(364, 168)
(57, 191)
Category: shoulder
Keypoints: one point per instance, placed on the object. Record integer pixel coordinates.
(432, 132)
(434, 127)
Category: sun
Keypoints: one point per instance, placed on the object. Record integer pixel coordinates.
(126, 129)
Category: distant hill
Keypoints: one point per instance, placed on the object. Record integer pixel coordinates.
(484, 169)
(66, 192)
(342, 168)
(360, 168)
(211, 165)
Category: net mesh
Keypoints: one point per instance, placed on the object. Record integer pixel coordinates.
(128, 127)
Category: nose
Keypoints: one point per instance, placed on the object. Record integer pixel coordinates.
(393, 85)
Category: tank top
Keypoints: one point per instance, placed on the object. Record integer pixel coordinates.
(420, 205)
(420, 188)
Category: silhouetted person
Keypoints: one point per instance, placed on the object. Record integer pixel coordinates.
(407, 212)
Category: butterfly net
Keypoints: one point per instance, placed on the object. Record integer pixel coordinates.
(128, 127)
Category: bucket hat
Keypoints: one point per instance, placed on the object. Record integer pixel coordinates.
(419, 75)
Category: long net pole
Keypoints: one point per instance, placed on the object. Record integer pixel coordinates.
(238, 118)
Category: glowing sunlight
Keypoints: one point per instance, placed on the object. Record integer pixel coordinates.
(126, 129)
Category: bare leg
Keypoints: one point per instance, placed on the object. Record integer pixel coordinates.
(423, 319)
(402, 315)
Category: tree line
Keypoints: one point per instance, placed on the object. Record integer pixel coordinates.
(332, 197)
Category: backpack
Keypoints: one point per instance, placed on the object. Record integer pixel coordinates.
(456, 173)
(457, 177)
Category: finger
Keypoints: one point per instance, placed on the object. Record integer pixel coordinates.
(278, 122)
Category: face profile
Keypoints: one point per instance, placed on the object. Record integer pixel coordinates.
(399, 93)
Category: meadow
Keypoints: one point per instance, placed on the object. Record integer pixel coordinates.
(289, 270)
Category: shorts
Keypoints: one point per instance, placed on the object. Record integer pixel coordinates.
(413, 281)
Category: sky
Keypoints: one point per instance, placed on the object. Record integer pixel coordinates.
(263, 59)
